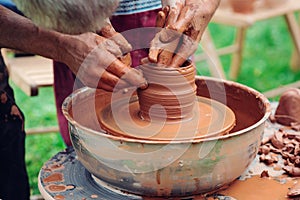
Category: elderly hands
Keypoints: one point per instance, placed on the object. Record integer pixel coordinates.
(98, 60)
(106, 62)
(183, 23)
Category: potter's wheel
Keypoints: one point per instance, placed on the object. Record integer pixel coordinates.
(208, 118)
(78, 182)
(82, 185)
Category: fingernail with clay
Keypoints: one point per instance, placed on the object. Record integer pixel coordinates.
(143, 86)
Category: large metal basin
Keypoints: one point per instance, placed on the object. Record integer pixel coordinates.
(160, 168)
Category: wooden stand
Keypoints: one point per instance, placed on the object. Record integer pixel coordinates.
(226, 16)
(30, 73)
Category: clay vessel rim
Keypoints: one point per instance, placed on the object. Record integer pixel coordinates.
(187, 67)
(67, 104)
(156, 71)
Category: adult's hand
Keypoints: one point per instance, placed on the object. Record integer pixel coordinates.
(101, 62)
(97, 61)
(183, 23)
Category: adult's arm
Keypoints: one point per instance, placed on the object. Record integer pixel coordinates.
(68, 16)
(91, 57)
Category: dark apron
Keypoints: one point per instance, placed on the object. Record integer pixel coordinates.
(14, 183)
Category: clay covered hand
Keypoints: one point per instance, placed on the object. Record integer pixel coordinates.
(105, 62)
(183, 23)
(98, 61)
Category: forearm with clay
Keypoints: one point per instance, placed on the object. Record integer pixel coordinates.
(94, 63)
(20, 33)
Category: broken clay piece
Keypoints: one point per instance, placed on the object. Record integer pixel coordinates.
(294, 191)
(288, 108)
(295, 126)
(264, 174)
(292, 170)
(277, 140)
(286, 144)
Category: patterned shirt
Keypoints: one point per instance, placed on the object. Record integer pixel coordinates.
(127, 7)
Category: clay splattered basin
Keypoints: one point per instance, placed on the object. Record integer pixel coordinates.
(176, 168)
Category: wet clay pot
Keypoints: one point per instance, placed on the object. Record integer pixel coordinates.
(171, 92)
(168, 168)
(242, 6)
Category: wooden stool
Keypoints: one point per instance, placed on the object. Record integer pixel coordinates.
(29, 73)
(210, 54)
(226, 16)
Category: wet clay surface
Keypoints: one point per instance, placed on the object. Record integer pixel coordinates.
(88, 107)
(180, 167)
(168, 109)
(171, 88)
(56, 188)
(208, 118)
(234, 96)
(250, 185)
(259, 189)
(54, 177)
(164, 168)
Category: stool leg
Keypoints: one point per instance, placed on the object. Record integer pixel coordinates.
(295, 34)
(215, 65)
(295, 61)
(237, 56)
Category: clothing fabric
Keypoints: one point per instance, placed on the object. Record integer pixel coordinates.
(64, 84)
(127, 7)
(14, 184)
(10, 5)
(131, 27)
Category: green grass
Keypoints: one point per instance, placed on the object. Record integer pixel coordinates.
(39, 111)
(265, 66)
(266, 58)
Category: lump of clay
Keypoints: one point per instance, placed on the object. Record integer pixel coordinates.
(288, 110)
